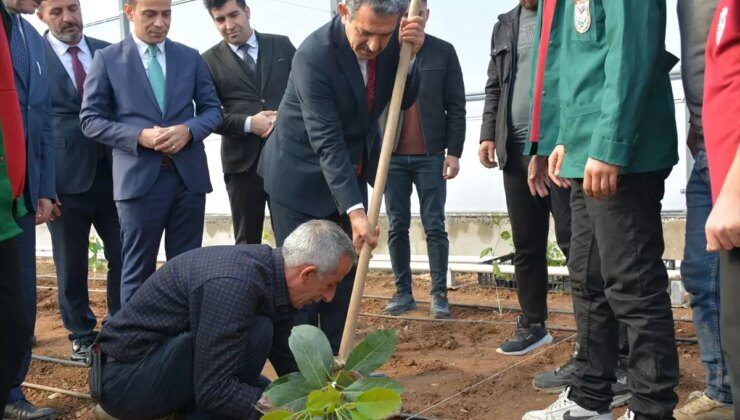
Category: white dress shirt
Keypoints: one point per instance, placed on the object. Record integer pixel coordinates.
(143, 49)
(254, 49)
(61, 50)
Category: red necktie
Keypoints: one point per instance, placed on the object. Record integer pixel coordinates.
(79, 72)
(370, 96)
(547, 18)
(78, 69)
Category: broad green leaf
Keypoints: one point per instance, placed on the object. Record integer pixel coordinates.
(283, 379)
(344, 379)
(378, 403)
(323, 401)
(372, 352)
(505, 235)
(354, 391)
(277, 415)
(487, 251)
(313, 354)
(355, 415)
(291, 394)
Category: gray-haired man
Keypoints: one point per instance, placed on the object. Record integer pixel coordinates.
(196, 335)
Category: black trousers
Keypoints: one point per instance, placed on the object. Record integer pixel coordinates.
(247, 199)
(628, 232)
(329, 316)
(162, 381)
(729, 266)
(69, 236)
(530, 225)
(14, 328)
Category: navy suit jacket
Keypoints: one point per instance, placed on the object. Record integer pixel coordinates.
(35, 109)
(119, 103)
(76, 155)
(324, 129)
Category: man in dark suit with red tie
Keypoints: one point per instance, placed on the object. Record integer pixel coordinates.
(250, 71)
(325, 143)
(84, 180)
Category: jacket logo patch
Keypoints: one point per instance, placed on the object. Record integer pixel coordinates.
(582, 16)
(722, 24)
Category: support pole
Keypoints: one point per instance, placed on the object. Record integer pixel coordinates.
(394, 112)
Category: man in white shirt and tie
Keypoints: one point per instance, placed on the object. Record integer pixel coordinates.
(153, 101)
(250, 70)
(84, 180)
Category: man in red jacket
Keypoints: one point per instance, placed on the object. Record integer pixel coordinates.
(13, 322)
(722, 136)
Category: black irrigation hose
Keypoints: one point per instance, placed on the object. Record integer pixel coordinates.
(508, 308)
(562, 328)
(64, 362)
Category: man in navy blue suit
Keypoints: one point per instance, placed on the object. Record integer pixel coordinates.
(29, 64)
(83, 174)
(154, 102)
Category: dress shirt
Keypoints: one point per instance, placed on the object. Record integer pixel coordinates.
(143, 49)
(61, 50)
(254, 49)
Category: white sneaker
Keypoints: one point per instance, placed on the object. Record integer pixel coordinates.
(628, 415)
(565, 409)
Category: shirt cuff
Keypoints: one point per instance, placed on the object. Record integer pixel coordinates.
(357, 206)
(248, 125)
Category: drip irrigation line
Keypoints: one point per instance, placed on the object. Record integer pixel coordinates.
(494, 376)
(57, 390)
(562, 328)
(57, 360)
(508, 308)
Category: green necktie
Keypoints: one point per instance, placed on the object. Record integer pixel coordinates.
(156, 77)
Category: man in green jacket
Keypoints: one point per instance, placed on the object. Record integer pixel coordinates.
(616, 146)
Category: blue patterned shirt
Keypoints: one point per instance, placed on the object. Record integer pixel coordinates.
(214, 293)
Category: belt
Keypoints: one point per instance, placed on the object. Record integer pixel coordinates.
(167, 161)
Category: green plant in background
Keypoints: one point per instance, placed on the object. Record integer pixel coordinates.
(504, 236)
(555, 257)
(95, 262)
(324, 390)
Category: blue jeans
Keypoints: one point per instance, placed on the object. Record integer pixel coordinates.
(425, 172)
(700, 274)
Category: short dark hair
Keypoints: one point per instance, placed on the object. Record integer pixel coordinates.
(217, 4)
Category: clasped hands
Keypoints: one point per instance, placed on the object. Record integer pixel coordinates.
(169, 140)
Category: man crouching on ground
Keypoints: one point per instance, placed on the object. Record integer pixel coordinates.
(196, 335)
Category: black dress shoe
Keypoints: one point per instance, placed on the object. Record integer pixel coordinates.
(80, 348)
(23, 410)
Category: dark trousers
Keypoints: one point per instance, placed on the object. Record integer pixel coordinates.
(530, 225)
(162, 381)
(247, 199)
(628, 228)
(170, 208)
(14, 331)
(329, 316)
(69, 237)
(424, 172)
(27, 253)
(730, 278)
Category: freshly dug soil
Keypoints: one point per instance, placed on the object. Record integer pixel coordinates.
(450, 369)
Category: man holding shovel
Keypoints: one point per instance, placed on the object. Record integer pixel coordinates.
(324, 147)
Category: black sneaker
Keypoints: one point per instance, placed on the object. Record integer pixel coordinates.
(81, 348)
(440, 308)
(621, 391)
(23, 410)
(527, 337)
(400, 303)
(555, 381)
